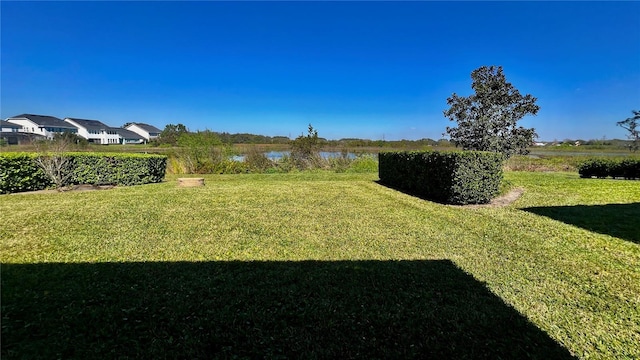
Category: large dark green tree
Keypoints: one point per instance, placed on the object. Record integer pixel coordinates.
(487, 120)
(172, 133)
(631, 125)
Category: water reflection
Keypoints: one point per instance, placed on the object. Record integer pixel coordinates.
(278, 155)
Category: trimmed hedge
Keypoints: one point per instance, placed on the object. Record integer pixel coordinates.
(117, 169)
(469, 177)
(20, 172)
(616, 168)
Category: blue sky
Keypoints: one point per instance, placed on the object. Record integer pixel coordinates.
(352, 69)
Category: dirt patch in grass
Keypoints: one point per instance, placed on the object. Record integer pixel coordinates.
(79, 188)
(501, 201)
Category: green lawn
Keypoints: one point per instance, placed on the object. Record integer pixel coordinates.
(321, 265)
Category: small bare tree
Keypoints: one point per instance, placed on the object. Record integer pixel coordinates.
(53, 161)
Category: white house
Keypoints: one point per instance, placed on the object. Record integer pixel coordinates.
(9, 133)
(148, 132)
(42, 125)
(129, 137)
(95, 131)
(7, 127)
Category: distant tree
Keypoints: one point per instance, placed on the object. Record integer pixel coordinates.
(127, 124)
(487, 119)
(631, 125)
(172, 133)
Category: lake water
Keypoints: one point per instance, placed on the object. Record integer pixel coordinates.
(277, 155)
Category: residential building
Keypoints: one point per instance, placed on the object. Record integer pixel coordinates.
(43, 125)
(7, 127)
(95, 131)
(129, 137)
(148, 132)
(9, 133)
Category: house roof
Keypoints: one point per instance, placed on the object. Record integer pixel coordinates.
(6, 124)
(148, 128)
(44, 120)
(90, 124)
(127, 134)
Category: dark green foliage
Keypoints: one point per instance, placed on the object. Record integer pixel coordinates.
(470, 177)
(595, 167)
(171, 134)
(20, 172)
(487, 120)
(117, 169)
(631, 125)
(616, 168)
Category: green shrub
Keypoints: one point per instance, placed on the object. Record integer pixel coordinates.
(257, 161)
(340, 163)
(628, 168)
(599, 168)
(363, 164)
(631, 168)
(470, 177)
(230, 167)
(118, 169)
(19, 172)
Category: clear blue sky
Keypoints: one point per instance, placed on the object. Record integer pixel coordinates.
(352, 69)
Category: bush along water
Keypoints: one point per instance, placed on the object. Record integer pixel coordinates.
(256, 162)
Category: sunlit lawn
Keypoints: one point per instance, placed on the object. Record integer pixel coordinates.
(224, 270)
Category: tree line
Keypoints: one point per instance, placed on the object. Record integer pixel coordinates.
(487, 120)
(179, 135)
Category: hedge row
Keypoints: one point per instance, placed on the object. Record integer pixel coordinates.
(21, 172)
(615, 168)
(118, 169)
(470, 177)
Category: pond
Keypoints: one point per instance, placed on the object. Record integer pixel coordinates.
(277, 155)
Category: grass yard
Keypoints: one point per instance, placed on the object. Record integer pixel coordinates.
(321, 265)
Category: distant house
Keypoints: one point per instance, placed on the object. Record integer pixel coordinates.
(129, 137)
(7, 127)
(43, 125)
(95, 131)
(9, 132)
(148, 132)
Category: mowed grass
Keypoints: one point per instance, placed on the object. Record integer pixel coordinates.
(320, 265)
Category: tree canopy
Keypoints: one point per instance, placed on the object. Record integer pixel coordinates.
(172, 133)
(487, 119)
(631, 125)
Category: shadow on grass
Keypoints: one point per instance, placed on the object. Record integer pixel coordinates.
(436, 199)
(309, 309)
(618, 220)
